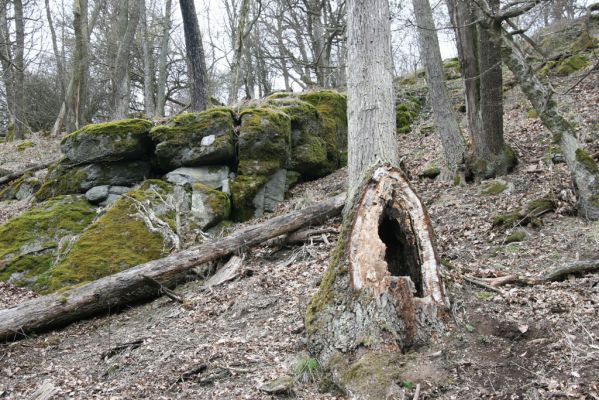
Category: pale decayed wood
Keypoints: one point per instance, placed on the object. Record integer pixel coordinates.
(132, 285)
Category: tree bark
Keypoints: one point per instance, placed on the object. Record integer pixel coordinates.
(76, 97)
(198, 77)
(371, 105)
(385, 268)
(146, 43)
(454, 146)
(240, 35)
(138, 283)
(164, 46)
(7, 70)
(120, 76)
(19, 73)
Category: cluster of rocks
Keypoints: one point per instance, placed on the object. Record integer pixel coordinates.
(128, 191)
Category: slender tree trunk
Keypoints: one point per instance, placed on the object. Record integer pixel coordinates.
(148, 62)
(164, 46)
(76, 95)
(7, 70)
(57, 55)
(19, 72)
(240, 35)
(454, 146)
(198, 77)
(120, 78)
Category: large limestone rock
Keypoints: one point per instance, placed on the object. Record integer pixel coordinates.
(272, 194)
(215, 177)
(264, 141)
(32, 241)
(64, 178)
(126, 139)
(195, 139)
(21, 189)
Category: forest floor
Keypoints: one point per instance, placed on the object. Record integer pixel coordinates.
(535, 342)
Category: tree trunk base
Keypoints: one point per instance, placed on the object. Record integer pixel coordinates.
(382, 293)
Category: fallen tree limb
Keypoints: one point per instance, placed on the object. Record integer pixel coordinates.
(16, 175)
(556, 274)
(132, 285)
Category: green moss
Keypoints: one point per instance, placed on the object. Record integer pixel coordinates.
(118, 128)
(584, 158)
(594, 200)
(373, 373)
(186, 126)
(405, 114)
(219, 202)
(457, 180)
(68, 180)
(430, 172)
(516, 236)
(258, 167)
(540, 206)
(10, 133)
(25, 145)
(532, 113)
(510, 159)
(508, 219)
(115, 242)
(549, 66)
(243, 191)
(571, 65)
(584, 42)
(494, 188)
(451, 63)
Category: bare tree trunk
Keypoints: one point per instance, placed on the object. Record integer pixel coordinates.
(454, 146)
(198, 77)
(370, 107)
(164, 46)
(57, 55)
(76, 96)
(19, 72)
(7, 69)
(240, 35)
(146, 43)
(120, 77)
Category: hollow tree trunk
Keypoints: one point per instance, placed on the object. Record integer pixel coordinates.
(454, 146)
(136, 284)
(382, 293)
(584, 170)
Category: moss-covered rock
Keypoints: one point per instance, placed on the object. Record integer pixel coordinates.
(406, 113)
(209, 206)
(31, 241)
(332, 107)
(126, 139)
(64, 178)
(516, 236)
(243, 192)
(571, 64)
(452, 69)
(308, 145)
(21, 189)
(585, 159)
(264, 141)
(195, 139)
(494, 187)
(431, 172)
(24, 145)
(118, 240)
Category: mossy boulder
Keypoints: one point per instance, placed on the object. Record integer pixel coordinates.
(571, 64)
(264, 142)
(195, 139)
(406, 113)
(431, 172)
(451, 68)
(309, 154)
(31, 241)
(126, 139)
(24, 145)
(116, 241)
(515, 237)
(332, 107)
(64, 178)
(22, 188)
(209, 206)
(243, 191)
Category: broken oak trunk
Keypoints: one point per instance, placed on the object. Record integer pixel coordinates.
(382, 293)
(144, 281)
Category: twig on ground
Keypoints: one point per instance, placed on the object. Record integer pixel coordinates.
(164, 290)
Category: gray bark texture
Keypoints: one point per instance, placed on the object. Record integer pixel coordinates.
(148, 61)
(371, 105)
(140, 283)
(196, 61)
(129, 17)
(584, 170)
(20, 123)
(454, 146)
(382, 293)
(240, 35)
(162, 60)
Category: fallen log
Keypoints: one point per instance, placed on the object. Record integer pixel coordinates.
(382, 293)
(556, 274)
(139, 283)
(16, 175)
